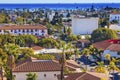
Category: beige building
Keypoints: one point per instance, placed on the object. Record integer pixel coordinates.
(45, 69)
(39, 30)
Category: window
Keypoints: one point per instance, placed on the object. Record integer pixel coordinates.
(27, 30)
(31, 30)
(35, 29)
(15, 31)
(44, 75)
(55, 75)
(36, 34)
(43, 31)
(23, 30)
(19, 30)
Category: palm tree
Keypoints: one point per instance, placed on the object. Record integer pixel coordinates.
(107, 57)
(3, 59)
(76, 51)
(100, 68)
(12, 51)
(11, 65)
(31, 76)
(86, 53)
(64, 47)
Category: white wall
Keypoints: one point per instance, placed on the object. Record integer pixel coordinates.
(49, 75)
(81, 25)
(115, 17)
(112, 54)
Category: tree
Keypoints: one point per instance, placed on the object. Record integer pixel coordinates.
(25, 16)
(48, 42)
(86, 53)
(11, 65)
(72, 37)
(30, 39)
(3, 60)
(79, 37)
(44, 56)
(2, 18)
(107, 57)
(69, 31)
(31, 76)
(100, 68)
(19, 40)
(62, 60)
(19, 20)
(103, 34)
(12, 51)
(26, 52)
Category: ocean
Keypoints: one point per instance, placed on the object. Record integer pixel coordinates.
(61, 6)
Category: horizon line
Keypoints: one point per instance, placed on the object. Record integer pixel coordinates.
(66, 3)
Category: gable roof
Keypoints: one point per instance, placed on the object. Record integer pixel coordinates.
(102, 44)
(42, 65)
(114, 47)
(85, 76)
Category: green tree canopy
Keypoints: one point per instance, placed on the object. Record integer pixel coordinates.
(2, 18)
(103, 34)
(31, 76)
(48, 42)
(72, 37)
(19, 20)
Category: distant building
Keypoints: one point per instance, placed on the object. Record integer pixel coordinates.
(115, 16)
(83, 25)
(24, 29)
(44, 69)
(85, 76)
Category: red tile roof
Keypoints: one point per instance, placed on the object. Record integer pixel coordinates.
(41, 65)
(116, 13)
(102, 44)
(112, 45)
(85, 76)
(84, 40)
(16, 27)
(36, 47)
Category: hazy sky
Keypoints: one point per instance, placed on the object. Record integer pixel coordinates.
(59, 1)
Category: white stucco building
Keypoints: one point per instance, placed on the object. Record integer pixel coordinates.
(115, 16)
(83, 25)
(24, 29)
(111, 47)
(44, 69)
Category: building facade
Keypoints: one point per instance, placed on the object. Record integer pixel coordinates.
(44, 69)
(115, 16)
(24, 29)
(83, 25)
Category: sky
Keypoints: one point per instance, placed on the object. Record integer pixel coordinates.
(59, 1)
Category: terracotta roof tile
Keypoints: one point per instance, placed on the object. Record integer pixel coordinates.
(85, 76)
(36, 47)
(102, 44)
(16, 27)
(114, 47)
(40, 65)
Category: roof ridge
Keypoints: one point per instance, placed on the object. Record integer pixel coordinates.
(93, 75)
(81, 75)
